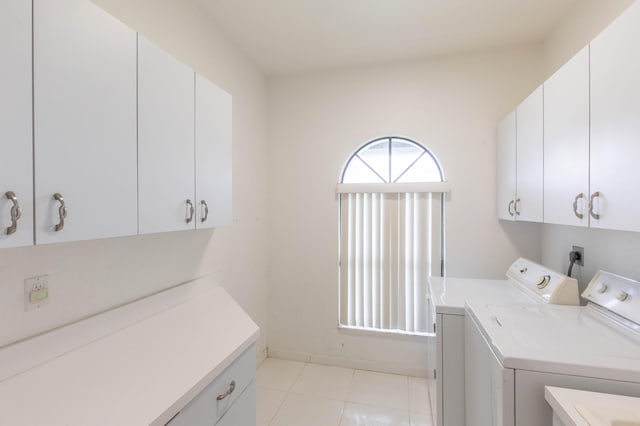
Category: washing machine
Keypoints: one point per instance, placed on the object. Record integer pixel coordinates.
(526, 282)
(513, 351)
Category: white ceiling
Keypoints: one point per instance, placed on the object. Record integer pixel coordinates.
(284, 36)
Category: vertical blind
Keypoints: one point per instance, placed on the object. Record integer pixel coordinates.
(385, 260)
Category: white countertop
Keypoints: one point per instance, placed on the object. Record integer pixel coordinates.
(450, 294)
(133, 374)
(598, 409)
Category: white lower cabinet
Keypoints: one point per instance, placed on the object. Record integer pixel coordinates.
(243, 411)
(450, 370)
(228, 400)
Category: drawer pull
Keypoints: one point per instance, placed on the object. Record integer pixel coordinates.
(232, 387)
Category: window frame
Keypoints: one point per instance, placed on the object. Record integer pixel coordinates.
(441, 186)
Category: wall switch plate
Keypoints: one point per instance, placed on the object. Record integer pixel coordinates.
(579, 262)
(36, 292)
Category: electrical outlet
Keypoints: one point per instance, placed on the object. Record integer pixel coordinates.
(580, 250)
(36, 292)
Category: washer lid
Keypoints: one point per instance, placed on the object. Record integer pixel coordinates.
(450, 294)
(559, 339)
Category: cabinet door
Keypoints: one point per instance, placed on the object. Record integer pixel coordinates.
(213, 154)
(529, 152)
(615, 123)
(506, 167)
(165, 141)
(566, 143)
(16, 174)
(84, 122)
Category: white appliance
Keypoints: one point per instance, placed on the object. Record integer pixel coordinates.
(527, 282)
(513, 351)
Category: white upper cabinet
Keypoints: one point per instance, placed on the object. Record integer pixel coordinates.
(213, 154)
(16, 173)
(506, 167)
(165, 141)
(84, 122)
(566, 143)
(615, 124)
(519, 160)
(529, 153)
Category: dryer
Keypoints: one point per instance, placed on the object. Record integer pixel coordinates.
(513, 351)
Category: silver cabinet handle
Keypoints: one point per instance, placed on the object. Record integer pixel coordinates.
(205, 210)
(510, 207)
(232, 387)
(575, 205)
(62, 211)
(190, 211)
(515, 207)
(16, 212)
(591, 212)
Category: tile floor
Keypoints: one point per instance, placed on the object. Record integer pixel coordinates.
(302, 394)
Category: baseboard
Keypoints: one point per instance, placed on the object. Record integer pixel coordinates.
(360, 364)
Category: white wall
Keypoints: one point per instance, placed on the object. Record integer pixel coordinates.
(582, 23)
(88, 277)
(316, 121)
(609, 250)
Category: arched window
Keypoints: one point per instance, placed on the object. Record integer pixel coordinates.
(386, 235)
(392, 160)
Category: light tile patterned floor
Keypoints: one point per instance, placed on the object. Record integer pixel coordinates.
(302, 394)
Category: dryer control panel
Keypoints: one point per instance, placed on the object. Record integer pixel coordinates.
(616, 294)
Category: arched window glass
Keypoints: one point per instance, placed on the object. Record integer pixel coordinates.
(392, 160)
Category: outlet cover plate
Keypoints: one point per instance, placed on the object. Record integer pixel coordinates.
(580, 250)
(36, 292)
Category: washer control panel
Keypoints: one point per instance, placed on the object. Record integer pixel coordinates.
(546, 284)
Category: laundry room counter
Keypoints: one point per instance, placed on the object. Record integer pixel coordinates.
(573, 407)
(135, 365)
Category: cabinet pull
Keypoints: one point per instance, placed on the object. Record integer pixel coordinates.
(62, 211)
(515, 207)
(510, 207)
(575, 205)
(232, 387)
(16, 212)
(205, 210)
(190, 211)
(591, 212)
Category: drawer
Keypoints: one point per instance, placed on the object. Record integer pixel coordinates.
(243, 412)
(206, 408)
(242, 372)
